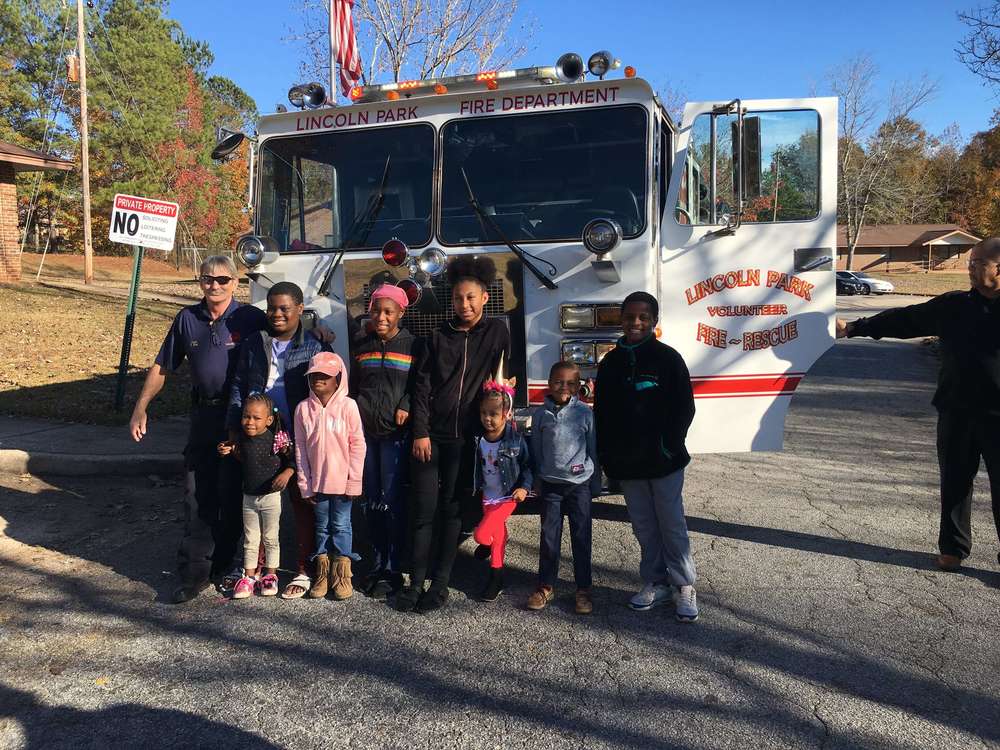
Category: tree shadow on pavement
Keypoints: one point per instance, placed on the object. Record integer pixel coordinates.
(45, 727)
(616, 708)
(806, 542)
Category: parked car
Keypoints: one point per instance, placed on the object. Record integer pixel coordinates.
(849, 286)
(868, 283)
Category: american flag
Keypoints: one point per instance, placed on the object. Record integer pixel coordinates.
(343, 45)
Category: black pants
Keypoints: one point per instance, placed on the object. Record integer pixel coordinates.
(962, 439)
(574, 501)
(212, 501)
(437, 488)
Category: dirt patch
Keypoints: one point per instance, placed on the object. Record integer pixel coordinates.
(60, 350)
(106, 268)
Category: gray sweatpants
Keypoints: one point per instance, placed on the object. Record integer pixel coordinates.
(656, 508)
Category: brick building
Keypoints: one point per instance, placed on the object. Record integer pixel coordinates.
(908, 247)
(14, 159)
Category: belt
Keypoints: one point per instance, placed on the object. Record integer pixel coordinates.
(199, 401)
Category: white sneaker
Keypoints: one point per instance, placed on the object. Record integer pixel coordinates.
(649, 596)
(686, 603)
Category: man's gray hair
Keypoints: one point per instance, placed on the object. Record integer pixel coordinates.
(214, 261)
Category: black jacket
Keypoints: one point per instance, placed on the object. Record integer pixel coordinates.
(968, 326)
(381, 381)
(454, 364)
(643, 407)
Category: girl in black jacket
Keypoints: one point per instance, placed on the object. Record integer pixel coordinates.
(381, 382)
(458, 358)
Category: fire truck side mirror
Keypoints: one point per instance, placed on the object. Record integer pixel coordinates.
(747, 147)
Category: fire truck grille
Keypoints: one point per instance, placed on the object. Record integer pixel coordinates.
(421, 319)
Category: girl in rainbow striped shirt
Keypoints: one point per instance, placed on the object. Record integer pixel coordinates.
(380, 382)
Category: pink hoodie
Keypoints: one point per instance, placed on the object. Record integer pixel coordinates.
(329, 443)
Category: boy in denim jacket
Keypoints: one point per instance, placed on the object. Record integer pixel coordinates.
(564, 449)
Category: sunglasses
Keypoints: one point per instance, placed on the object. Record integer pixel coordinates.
(220, 280)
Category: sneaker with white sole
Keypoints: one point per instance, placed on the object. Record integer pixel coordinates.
(686, 603)
(245, 587)
(649, 596)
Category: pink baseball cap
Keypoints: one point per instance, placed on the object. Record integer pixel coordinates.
(327, 363)
(389, 291)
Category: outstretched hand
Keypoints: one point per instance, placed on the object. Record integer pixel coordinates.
(841, 328)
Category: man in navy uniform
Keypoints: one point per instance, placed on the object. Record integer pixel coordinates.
(208, 334)
(968, 392)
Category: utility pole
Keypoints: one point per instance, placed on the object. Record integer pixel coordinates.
(88, 244)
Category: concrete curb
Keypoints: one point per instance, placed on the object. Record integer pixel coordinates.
(14, 461)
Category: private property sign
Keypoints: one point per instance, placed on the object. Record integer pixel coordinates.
(143, 222)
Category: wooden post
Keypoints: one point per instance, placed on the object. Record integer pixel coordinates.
(88, 243)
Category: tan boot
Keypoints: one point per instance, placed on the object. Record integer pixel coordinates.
(342, 586)
(321, 584)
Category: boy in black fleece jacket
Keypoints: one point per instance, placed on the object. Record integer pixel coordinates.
(384, 364)
(457, 359)
(643, 407)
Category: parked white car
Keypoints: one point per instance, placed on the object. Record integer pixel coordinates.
(868, 283)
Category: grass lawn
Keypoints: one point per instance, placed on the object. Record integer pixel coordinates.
(931, 284)
(60, 351)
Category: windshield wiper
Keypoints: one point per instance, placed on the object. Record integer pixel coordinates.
(487, 219)
(357, 234)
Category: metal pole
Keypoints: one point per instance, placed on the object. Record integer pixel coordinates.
(88, 243)
(127, 335)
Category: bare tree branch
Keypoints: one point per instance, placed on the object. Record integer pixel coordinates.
(979, 49)
(866, 153)
(416, 39)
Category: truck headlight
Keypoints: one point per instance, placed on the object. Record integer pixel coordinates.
(579, 352)
(576, 317)
(602, 348)
(608, 316)
(601, 236)
(251, 249)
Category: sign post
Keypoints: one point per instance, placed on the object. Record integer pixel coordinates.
(142, 223)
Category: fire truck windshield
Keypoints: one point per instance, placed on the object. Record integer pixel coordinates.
(544, 176)
(313, 187)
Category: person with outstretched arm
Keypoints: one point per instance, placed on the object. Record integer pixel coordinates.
(967, 398)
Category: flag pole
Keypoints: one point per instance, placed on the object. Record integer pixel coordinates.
(333, 55)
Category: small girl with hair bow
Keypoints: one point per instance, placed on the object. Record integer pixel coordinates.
(502, 475)
(265, 454)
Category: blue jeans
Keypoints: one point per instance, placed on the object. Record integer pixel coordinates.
(573, 500)
(334, 535)
(386, 461)
(656, 509)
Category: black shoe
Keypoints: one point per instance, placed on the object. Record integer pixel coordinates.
(369, 582)
(187, 593)
(380, 590)
(493, 587)
(483, 552)
(432, 599)
(406, 600)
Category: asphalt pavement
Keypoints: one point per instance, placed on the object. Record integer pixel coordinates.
(823, 621)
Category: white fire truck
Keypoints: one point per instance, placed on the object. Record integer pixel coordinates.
(578, 184)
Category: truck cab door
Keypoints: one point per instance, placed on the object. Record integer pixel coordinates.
(746, 259)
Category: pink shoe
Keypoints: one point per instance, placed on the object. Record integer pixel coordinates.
(244, 588)
(269, 585)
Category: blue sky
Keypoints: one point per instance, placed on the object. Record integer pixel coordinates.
(708, 51)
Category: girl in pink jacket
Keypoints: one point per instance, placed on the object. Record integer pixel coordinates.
(330, 458)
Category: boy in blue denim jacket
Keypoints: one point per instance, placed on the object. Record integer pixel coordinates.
(502, 474)
(564, 448)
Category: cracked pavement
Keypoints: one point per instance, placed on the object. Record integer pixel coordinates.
(824, 623)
